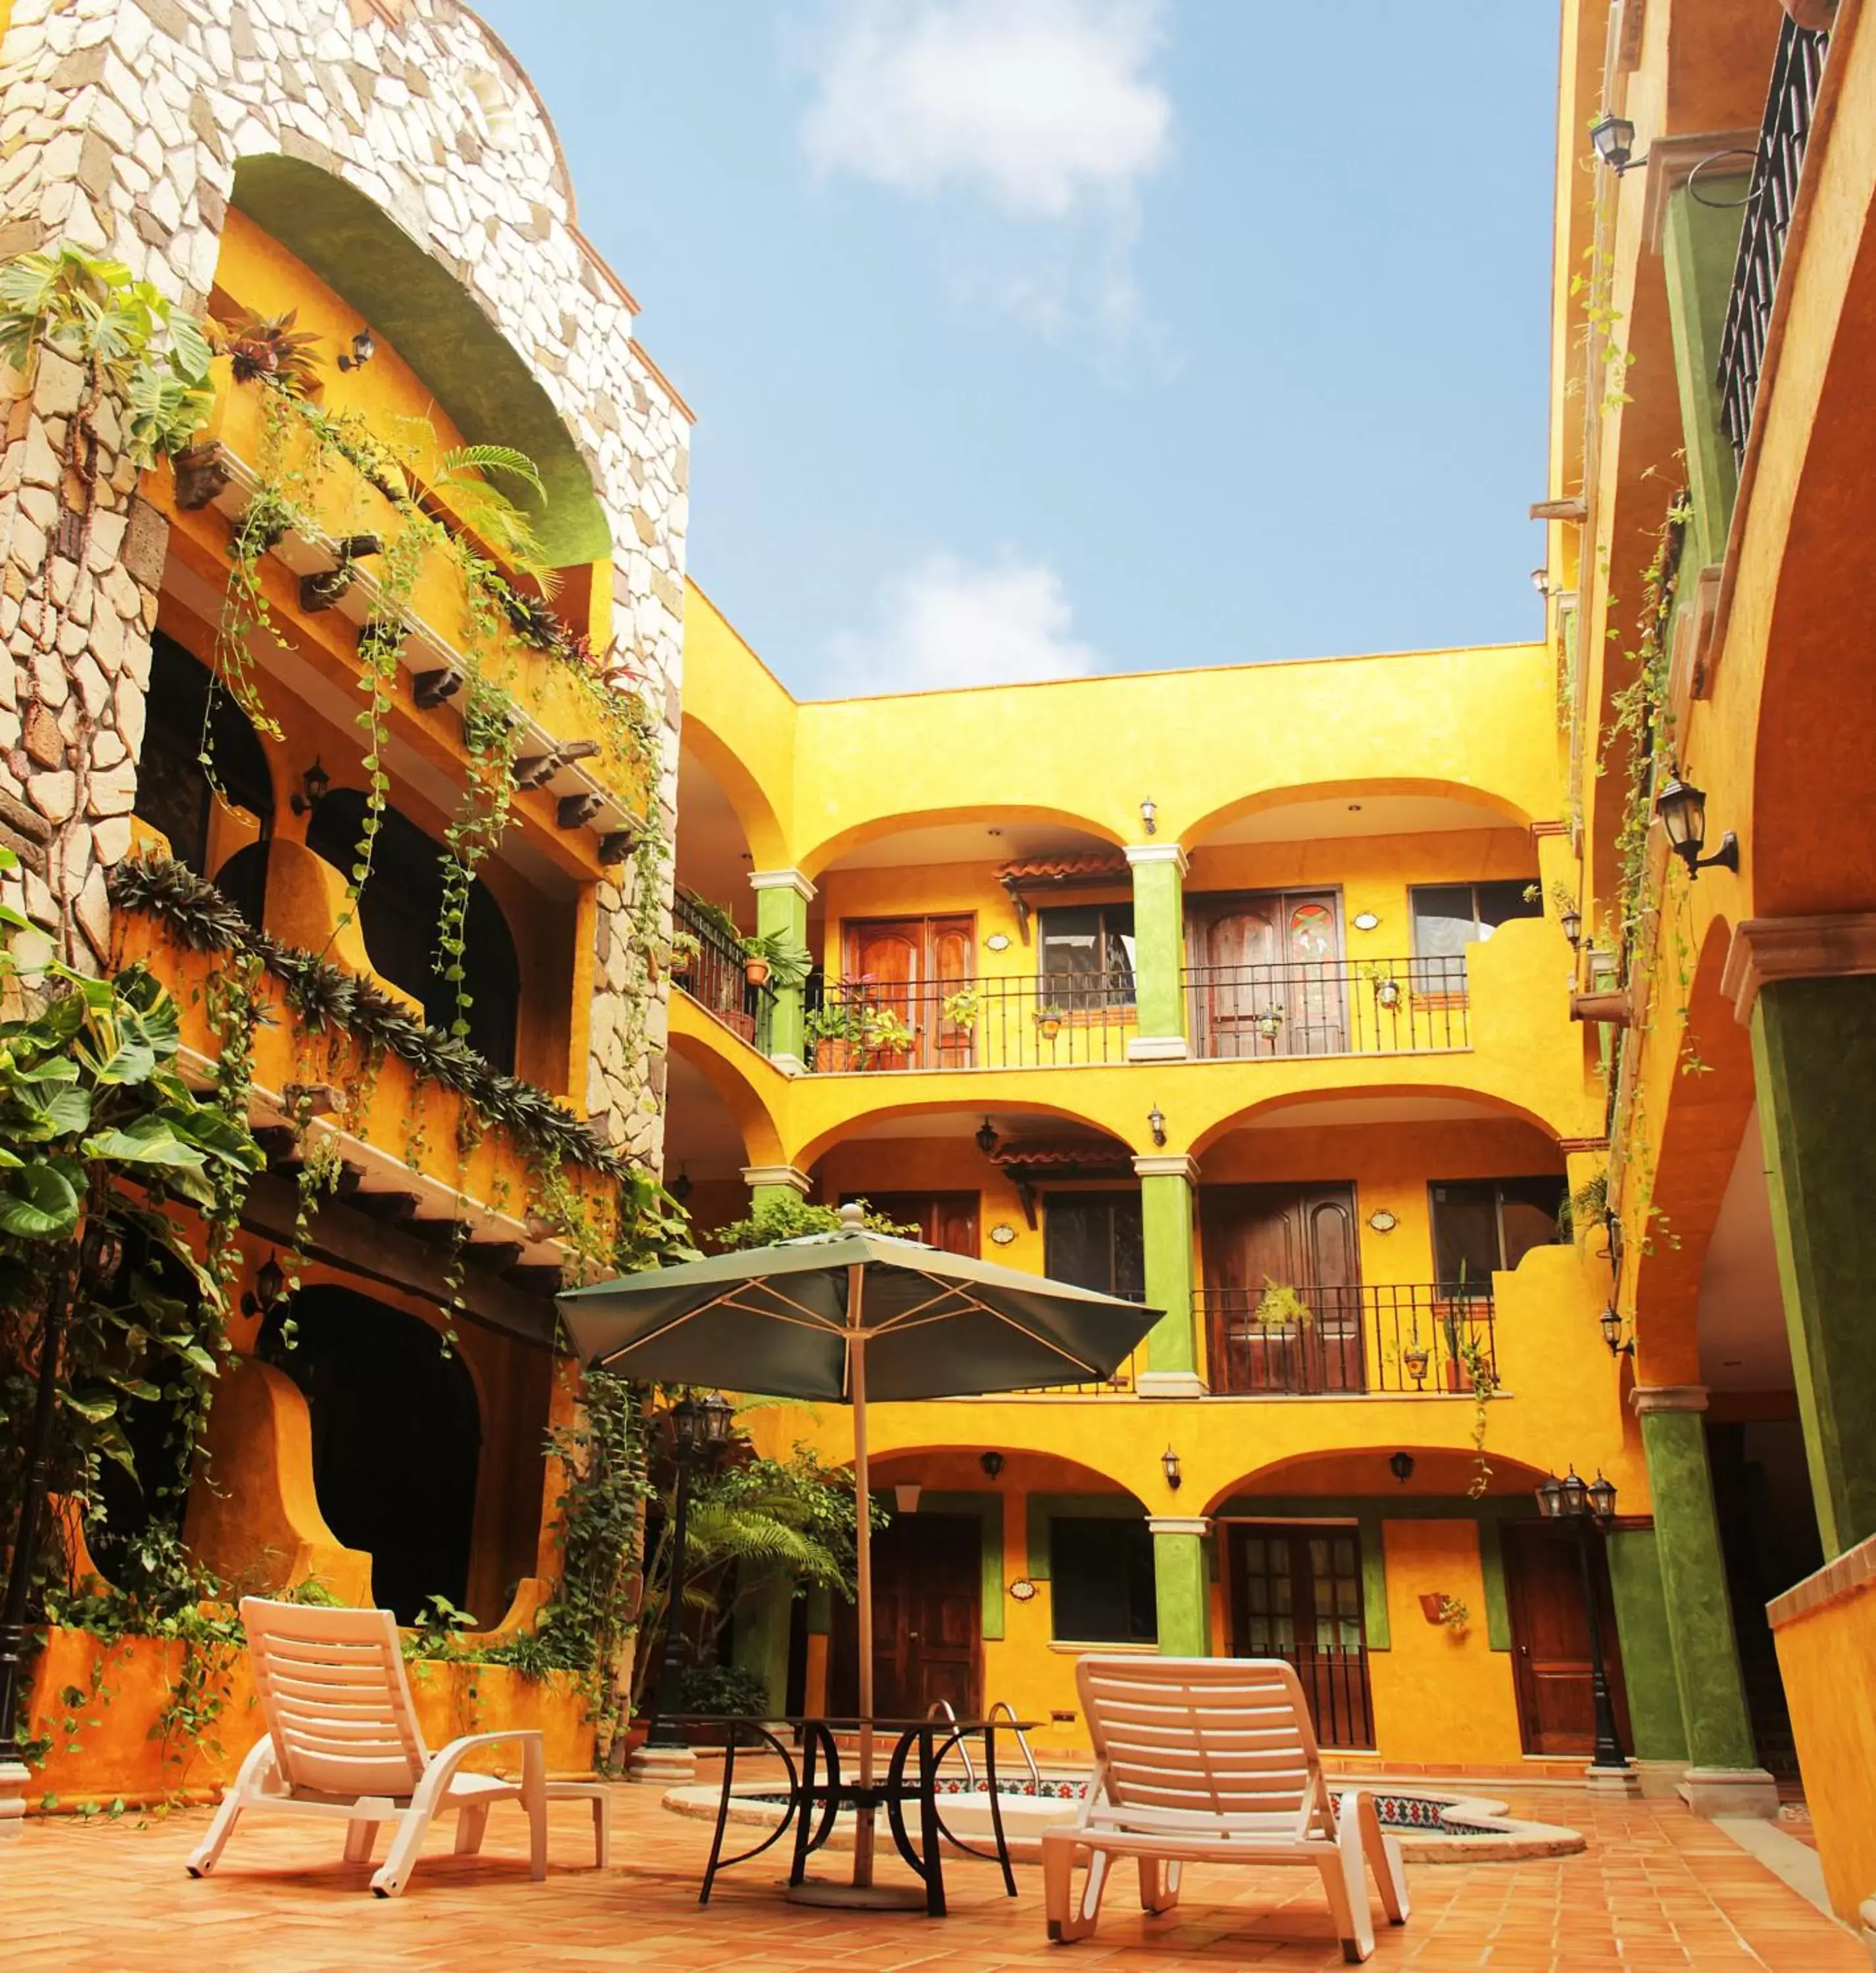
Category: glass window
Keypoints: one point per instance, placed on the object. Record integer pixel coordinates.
(1093, 1240)
(1087, 954)
(1481, 1225)
(1448, 918)
(1101, 1573)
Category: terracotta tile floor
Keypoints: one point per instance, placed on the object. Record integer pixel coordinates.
(1655, 1888)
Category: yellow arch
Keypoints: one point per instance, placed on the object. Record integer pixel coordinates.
(713, 1051)
(1495, 808)
(818, 1146)
(1305, 1098)
(860, 833)
(761, 826)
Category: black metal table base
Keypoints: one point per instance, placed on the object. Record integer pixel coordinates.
(818, 1792)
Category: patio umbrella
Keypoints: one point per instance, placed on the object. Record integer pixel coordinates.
(853, 1317)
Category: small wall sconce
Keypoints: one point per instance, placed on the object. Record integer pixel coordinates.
(1149, 816)
(905, 1496)
(1570, 919)
(363, 350)
(992, 1463)
(1613, 140)
(1540, 582)
(1382, 1220)
(679, 1187)
(1682, 808)
(1401, 1466)
(1002, 1234)
(313, 784)
(1023, 1590)
(986, 1136)
(1611, 1321)
(1365, 920)
(1156, 1123)
(269, 1284)
(1169, 1465)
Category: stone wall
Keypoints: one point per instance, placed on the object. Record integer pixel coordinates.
(121, 123)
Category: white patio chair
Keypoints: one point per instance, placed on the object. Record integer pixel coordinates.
(1213, 1761)
(342, 1742)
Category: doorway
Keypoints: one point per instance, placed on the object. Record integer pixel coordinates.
(1258, 1238)
(1268, 975)
(946, 1220)
(927, 1609)
(910, 966)
(1296, 1594)
(1551, 1637)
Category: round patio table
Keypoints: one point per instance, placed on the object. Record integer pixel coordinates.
(818, 1791)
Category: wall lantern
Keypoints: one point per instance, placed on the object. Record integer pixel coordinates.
(363, 350)
(269, 1284)
(992, 1463)
(679, 1187)
(1169, 1464)
(1611, 1321)
(1149, 816)
(313, 785)
(702, 1424)
(986, 1136)
(1613, 139)
(1023, 1590)
(1682, 808)
(1156, 1123)
(1401, 1466)
(905, 1496)
(1002, 1234)
(1382, 1220)
(1540, 582)
(1570, 919)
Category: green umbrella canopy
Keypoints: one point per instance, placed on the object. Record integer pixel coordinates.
(777, 1320)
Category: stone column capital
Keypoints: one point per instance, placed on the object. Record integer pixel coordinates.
(1137, 853)
(753, 1176)
(1647, 1397)
(1179, 1524)
(782, 880)
(1763, 950)
(1168, 1164)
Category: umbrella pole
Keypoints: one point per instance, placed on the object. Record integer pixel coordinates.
(863, 1550)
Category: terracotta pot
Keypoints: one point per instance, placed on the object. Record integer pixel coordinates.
(1818, 15)
(1614, 1007)
(1432, 1602)
(1387, 992)
(834, 1058)
(1049, 1030)
(1415, 1360)
(755, 971)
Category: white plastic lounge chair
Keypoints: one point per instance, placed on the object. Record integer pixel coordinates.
(1213, 1761)
(342, 1742)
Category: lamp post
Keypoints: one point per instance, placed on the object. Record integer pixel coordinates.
(1585, 1504)
(700, 1427)
(96, 1257)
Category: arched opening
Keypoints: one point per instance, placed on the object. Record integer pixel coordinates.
(221, 835)
(396, 1437)
(400, 910)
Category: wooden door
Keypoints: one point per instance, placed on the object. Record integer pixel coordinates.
(927, 1591)
(1295, 1592)
(1551, 1637)
(1274, 975)
(910, 966)
(946, 1220)
(1256, 1237)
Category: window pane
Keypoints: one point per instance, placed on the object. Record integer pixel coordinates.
(1071, 940)
(1101, 1580)
(1530, 1207)
(1442, 919)
(1465, 1235)
(1505, 899)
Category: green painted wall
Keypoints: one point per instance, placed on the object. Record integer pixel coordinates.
(1166, 1234)
(1814, 1059)
(1182, 1596)
(759, 1636)
(988, 1509)
(1647, 1648)
(1159, 947)
(1699, 243)
(784, 911)
(1693, 1574)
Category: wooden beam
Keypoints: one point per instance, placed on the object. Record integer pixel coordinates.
(344, 1238)
(391, 1206)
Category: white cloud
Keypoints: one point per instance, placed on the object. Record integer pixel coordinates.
(1035, 104)
(944, 624)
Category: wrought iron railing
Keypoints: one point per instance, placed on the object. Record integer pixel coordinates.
(1784, 131)
(1334, 1679)
(1124, 1383)
(1025, 1021)
(713, 976)
(1422, 1339)
(1315, 1007)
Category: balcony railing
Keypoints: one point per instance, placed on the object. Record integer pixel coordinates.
(1311, 1007)
(1416, 1340)
(1027, 1021)
(1334, 1679)
(1784, 132)
(713, 976)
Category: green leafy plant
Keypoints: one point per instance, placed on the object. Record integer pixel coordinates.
(965, 1008)
(269, 346)
(1281, 1307)
(787, 1217)
(789, 962)
(734, 1689)
(1454, 1612)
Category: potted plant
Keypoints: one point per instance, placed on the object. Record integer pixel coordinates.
(883, 1032)
(1438, 1608)
(960, 1012)
(1416, 1356)
(1281, 1307)
(685, 948)
(773, 958)
(1386, 987)
(1048, 1018)
(732, 1690)
(1270, 1023)
(835, 1029)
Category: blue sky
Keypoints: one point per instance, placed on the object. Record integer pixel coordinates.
(1033, 337)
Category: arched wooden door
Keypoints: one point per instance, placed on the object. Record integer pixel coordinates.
(1272, 976)
(1257, 1237)
(908, 967)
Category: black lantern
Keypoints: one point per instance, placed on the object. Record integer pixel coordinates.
(1551, 1497)
(363, 350)
(1149, 816)
(1611, 1320)
(701, 1424)
(1589, 1505)
(1169, 1464)
(986, 1135)
(1401, 1466)
(1570, 919)
(679, 1187)
(1576, 1494)
(1682, 808)
(699, 1427)
(1156, 1123)
(1613, 138)
(1602, 1499)
(270, 1285)
(992, 1463)
(313, 784)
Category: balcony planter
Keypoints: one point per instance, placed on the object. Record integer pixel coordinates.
(756, 972)
(1414, 1359)
(1048, 1023)
(1270, 1024)
(1612, 1006)
(1387, 993)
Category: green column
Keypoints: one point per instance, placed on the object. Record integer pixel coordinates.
(759, 1642)
(1159, 872)
(1166, 1230)
(766, 1183)
(781, 902)
(1698, 243)
(1693, 1576)
(1814, 1060)
(1647, 1651)
(1182, 1588)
